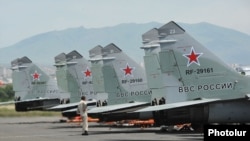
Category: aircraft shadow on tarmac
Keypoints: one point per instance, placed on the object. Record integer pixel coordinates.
(99, 129)
(182, 135)
(152, 140)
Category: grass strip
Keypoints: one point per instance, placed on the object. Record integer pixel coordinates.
(9, 111)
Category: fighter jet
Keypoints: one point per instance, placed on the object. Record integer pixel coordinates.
(120, 79)
(34, 89)
(118, 75)
(198, 87)
(74, 76)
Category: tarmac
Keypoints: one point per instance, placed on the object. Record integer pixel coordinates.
(51, 129)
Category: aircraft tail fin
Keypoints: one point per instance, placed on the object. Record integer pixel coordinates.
(34, 89)
(178, 64)
(26, 76)
(74, 75)
(118, 75)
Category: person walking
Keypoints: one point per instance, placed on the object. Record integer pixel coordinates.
(82, 110)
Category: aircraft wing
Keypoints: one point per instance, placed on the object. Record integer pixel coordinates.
(63, 106)
(27, 100)
(74, 109)
(176, 105)
(7, 102)
(73, 106)
(111, 108)
(117, 107)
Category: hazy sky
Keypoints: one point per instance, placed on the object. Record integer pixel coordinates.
(20, 19)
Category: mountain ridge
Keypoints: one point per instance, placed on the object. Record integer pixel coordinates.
(231, 45)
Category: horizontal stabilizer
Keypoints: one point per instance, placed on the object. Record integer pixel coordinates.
(176, 105)
(63, 106)
(27, 100)
(7, 102)
(116, 107)
(248, 96)
(90, 106)
(70, 105)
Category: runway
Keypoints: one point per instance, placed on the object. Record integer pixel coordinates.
(50, 128)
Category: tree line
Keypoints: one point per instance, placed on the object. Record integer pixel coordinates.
(6, 93)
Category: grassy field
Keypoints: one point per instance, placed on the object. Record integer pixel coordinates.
(9, 111)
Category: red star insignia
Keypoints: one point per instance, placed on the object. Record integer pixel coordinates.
(128, 70)
(87, 73)
(193, 57)
(36, 76)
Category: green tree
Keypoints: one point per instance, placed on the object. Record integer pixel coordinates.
(3, 95)
(6, 93)
(9, 91)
